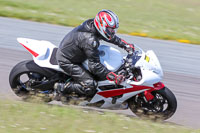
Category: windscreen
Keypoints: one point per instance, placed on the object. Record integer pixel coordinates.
(137, 54)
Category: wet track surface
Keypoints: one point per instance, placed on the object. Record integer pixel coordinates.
(180, 62)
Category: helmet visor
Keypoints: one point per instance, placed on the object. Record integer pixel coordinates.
(110, 32)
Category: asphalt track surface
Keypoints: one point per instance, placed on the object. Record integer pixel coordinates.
(180, 62)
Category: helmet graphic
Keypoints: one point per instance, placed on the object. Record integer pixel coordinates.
(106, 22)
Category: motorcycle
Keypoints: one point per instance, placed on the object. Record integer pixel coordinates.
(142, 91)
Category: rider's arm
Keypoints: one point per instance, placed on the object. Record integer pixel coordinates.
(91, 50)
(121, 43)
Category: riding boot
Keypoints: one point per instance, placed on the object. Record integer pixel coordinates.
(86, 88)
(75, 87)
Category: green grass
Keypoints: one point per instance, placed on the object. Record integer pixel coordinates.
(164, 19)
(21, 117)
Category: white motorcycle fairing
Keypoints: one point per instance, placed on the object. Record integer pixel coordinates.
(41, 51)
(151, 71)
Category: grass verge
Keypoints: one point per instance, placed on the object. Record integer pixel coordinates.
(21, 117)
(164, 19)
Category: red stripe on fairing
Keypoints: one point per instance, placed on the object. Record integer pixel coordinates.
(117, 92)
(31, 51)
(148, 95)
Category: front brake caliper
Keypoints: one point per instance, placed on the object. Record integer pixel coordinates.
(148, 95)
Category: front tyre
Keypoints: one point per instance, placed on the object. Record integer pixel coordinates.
(162, 107)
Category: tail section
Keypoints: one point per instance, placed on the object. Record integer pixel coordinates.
(37, 48)
(41, 51)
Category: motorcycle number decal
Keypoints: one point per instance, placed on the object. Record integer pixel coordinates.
(147, 58)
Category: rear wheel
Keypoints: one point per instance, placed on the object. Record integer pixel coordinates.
(22, 79)
(162, 107)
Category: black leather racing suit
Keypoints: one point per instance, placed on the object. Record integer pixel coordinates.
(78, 45)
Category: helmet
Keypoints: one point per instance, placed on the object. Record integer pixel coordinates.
(106, 23)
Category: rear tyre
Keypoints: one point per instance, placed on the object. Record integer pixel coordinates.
(24, 75)
(162, 107)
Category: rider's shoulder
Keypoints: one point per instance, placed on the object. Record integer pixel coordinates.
(87, 26)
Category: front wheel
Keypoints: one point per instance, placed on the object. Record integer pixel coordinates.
(162, 107)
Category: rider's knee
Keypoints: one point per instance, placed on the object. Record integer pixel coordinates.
(90, 87)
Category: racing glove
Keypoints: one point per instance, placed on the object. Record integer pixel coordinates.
(128, 46)
(118, 79)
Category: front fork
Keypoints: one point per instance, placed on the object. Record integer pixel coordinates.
(157, 86)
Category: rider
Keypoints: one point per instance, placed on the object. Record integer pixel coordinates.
(82, 43)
